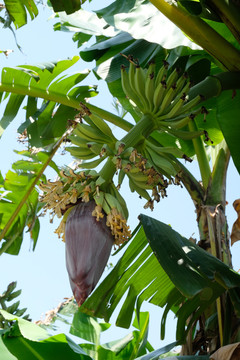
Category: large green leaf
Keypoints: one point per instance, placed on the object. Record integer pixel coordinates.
(27, 329)
(42, 81)
(143, 21)
(86, 327)
(58, 346)
(19, 202)
(138, 274)
(18, 10)
(86, 22)
(227, 111)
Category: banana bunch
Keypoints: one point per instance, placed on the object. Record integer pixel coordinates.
(92, 138)
(163, 95)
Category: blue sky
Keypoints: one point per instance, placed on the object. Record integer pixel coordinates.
(41, 274)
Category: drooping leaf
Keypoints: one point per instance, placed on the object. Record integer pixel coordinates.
(28, 329)
(141, 276)
(86, 327)
(59, 346)
(138, 274)
(42, 81)
(186, 258)
(18, 10)
(87, 23)
(142, 21)
(19, 204)
(228, 108)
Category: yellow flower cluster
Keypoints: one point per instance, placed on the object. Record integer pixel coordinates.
(59, 195)
(119, 227)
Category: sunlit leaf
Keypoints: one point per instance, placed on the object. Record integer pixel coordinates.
(18, 10)
(42, 81)
(19, 204)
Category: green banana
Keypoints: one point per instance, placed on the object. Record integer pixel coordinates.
(121, 176)
(178, 124)
(186, 135)
(139, 81)
(150, 85)
(158, 95)
(80, 153)
(131, 77)
(95, 148)
(162, 73)
(161, 164)
(181, 83)
(99, 198)
(91, 164)
(138, 177)
(141, 192)
(113, 203)
(180, 95)
(178, 153)
(77, 140)
(102, 126)
(170, 94)
(174, 110)
(172, 78)
(93, 134)
(191, 104)
(128, 89)
(114, 191)
(106, 207)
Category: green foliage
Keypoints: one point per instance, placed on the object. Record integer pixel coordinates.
(26, 340)
(19, 204)
(145, 280)
(7, 297)
(18, 10)
(44, 81)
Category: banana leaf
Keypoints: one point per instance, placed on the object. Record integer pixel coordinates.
(19, 9)
(44, 81)
(19, 204)
(154, 268)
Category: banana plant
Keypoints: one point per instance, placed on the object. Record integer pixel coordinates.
(177, 114)
(212, 26)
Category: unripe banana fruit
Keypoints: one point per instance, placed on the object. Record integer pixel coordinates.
(165, 97)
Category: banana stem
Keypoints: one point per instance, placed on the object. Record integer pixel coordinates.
(202, 34)
(143, 128)
(201, 156)
(191, 184)
(137, 134)
(107, 172)
(214, 253)
(213, 85)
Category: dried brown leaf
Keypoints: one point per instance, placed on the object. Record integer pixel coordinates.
(235, 235)
(228, 352)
